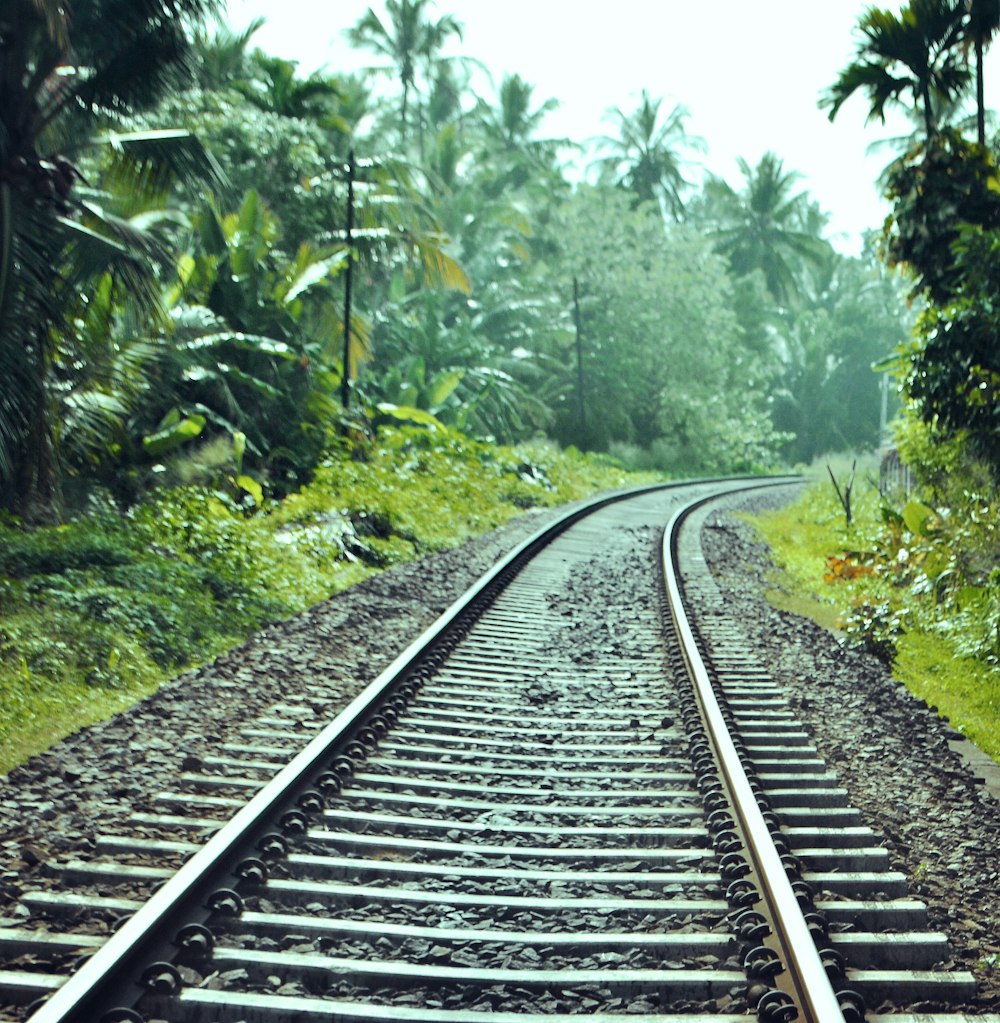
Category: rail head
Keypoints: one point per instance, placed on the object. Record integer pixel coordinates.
(91, 994)
(805, 978)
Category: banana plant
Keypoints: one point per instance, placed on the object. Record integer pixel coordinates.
(254, 337)
(428, 356)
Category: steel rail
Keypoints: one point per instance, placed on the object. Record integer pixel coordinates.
(806, 979)
(93, 991)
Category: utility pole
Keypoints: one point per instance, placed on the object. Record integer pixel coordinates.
(580, 389)
(345, 381)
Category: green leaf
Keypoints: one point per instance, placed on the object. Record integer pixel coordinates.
(936, 565)
(239, 447)
(252, 487)
(237, 375)
(248, 342)
(315, 273)
(970, 596)
(444, 386)
(173, 435)
(917, 517)
(409, 414)
(173, 152)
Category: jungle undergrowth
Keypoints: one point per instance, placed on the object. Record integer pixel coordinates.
(99, 612)
(913, 580)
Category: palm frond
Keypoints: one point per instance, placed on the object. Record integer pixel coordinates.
(157, 158)
(91, 253)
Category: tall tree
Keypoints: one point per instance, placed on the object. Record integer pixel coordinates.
(275, 87)
(916, 52)
(767, 226)
(222, 58)
(649, 155)
(512, 122)
(407, 38)
(983, 25)
(59, 74)
(511, 144)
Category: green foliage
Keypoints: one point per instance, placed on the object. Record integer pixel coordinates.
(917, 51)
(946, 209)
(826, 395)
(661, 347)
(59, 672)
(67, 75)
(940, 193)
(953, 372)
(918, 585)
(648, 157)
(97, 612)
(284, 159)
(57, 550)
(875, 626)
(942, 464)
(767, 227)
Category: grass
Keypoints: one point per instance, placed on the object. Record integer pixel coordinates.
(873, 582)
(98, 613)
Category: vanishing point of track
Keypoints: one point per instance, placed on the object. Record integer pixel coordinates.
(552, 804)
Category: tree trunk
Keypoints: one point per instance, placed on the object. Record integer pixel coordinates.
(403, 112)
(37, 496)
(928, 112)
(980, 94)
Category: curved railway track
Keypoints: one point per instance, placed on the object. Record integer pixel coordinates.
(558, 801)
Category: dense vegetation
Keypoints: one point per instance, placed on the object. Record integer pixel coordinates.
(915, 572)
(225, 284)
(912, 582)
(100, 611)
(185, 237)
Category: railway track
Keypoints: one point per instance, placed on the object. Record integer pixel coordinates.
(562, 800)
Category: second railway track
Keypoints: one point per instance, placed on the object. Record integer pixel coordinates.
(532, 818)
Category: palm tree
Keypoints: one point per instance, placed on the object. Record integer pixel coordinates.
(954, 113)
(983, 25)
(405, 40)
(58, 75)
(512, 123)
(274, 86)
(916, 52)
(512, 156)
(222, 58)
(647, 157)
(768, 226)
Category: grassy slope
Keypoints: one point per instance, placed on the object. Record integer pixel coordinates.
(97, 614)
(928, 658)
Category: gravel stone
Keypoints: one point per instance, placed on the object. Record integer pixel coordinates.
(890, 751)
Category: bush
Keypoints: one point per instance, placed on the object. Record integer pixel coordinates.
(51, 551)
(96, 613)
(917, 585)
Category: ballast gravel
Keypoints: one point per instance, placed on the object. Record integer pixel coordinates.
(889, 750)
(53, 805)
(900, 761)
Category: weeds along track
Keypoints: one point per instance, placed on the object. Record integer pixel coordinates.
(565, 799)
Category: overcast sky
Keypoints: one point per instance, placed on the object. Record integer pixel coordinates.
(749, 71)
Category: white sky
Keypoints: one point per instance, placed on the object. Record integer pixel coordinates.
(749, 72)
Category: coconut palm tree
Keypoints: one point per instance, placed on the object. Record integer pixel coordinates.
(274, 86)
(405, 39)
(916, 52)
(223, 58)
(513, 123)
(768, 226)
(60, 76)
(648, 155)
(954, 113)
